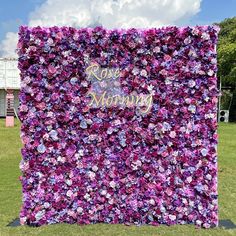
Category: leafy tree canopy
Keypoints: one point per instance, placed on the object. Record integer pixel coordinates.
(227, 52)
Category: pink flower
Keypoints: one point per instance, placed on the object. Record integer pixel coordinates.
(172, 134)
(52, 69)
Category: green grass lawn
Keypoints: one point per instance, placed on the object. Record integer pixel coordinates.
(10, 194)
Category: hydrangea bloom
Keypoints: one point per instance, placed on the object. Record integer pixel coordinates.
(83, 164)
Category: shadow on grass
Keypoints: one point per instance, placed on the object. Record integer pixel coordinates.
(225, 224)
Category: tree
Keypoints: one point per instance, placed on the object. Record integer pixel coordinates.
(227, 52)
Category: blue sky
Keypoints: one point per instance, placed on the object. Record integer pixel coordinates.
(214, 11)
(14, 13)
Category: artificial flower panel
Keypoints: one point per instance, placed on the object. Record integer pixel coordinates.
(118, 126)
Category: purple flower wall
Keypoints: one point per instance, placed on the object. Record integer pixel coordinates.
(82, 164)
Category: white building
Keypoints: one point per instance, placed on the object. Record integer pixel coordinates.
(9, 79)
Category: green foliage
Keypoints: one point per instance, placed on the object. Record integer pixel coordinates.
(227, 52)
(225, 99)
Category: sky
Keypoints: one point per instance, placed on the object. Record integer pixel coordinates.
(109, 13)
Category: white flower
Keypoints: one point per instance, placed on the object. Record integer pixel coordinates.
(172, 217)
(182, 129)
(146, 175)
(39, 215)
(189, 179)
(66, 53)
(46, 136)
(50, 41)
(166, 127)
(169, 144)
(84, 83)
(210, 72)
(37, 41)
(143, 73)
(172, 134)
(69, 193)
(69, 182)
(201, 72)
(205, 36)
(71, 213)
(61, 159)
(144, 62)
(191, 83)
(208, 176)
(103, 192)
(87, 196)
(89, 189)
(150, 87)
(135, 71)
(79, 210)
(109, 130)
(107, 162)
(91, 174)
(192, 53)
(111, 201)
(191, 203)
(198, 222)
(187, 40)
(112, 184)
(151, 126)
(195, 31)
(138, 163)
(184, 201)
(79, 154)
(46, 204)
(94, 168)
(152, 202)
(53, 135)
(213, 61)
(200, 207)
(162, 209)
(192, 108)
(161, 169)
(157, 49)
(167, 81)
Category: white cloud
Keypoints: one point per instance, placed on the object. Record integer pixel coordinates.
(109, 13)
(8, 45)
(114, 14)
(61, 12)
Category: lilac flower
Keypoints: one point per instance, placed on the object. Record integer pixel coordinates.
(41, 148)
(204, 152)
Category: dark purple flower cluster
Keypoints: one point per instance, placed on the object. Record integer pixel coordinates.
(83, 164)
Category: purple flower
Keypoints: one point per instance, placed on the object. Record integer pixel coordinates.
(116, 164)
